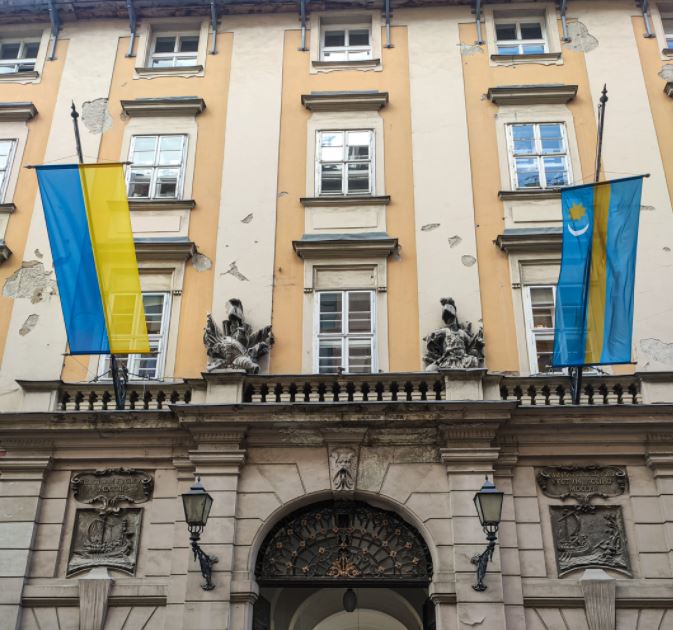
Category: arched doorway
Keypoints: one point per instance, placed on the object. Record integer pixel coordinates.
(310, 558)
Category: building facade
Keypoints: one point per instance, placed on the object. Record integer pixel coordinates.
(379, 185)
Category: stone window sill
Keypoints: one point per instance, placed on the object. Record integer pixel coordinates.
(514, 195)
(182, 71)
(667, 52)
(161, 204)
(381, 200)
(346, 65)
(538, 58)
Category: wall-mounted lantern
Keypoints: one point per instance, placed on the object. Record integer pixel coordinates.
(197, 503)
(488, 502)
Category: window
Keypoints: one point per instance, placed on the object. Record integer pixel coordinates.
(538, 155)
(667, 21)
(157, 167)
(345, 162)
(539, 305)
(147, 366)
(173, 50)
(18, 55)
(520, 37)
(345, 332)
(345, 43)
(6, 155)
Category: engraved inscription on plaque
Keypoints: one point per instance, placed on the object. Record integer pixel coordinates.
(582, 482)
(110, 486)
(589, 536)
(108, 539)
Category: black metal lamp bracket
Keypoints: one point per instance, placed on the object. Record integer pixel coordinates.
(206, 563)
(481, 560)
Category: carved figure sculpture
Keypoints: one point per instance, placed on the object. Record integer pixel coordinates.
(454, 345)
(235, 346)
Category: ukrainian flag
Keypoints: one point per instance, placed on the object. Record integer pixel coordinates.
(89, 229)
(594, 295)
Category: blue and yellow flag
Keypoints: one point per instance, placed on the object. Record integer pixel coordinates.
(89, 227)
(594, 295)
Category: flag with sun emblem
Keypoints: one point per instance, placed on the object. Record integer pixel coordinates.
(594, 295)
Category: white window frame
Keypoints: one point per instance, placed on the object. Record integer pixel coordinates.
(133, 360)
(344, 336)
(668, 34)
(347, 49)
(539, 155)
(7, 172)
(175, 55)
(520, 43)
(155, 166)
(344, 180)
(20, 60)
(533, 333)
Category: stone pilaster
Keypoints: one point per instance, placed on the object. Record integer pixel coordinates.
(94, 589)
(217, 459)
(21, 482)
(468, 457)
(660, 461)
(598, 589)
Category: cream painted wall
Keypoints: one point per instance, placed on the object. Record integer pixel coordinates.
(86, 76)
(441, 164)
(250, 170)
(630, 147)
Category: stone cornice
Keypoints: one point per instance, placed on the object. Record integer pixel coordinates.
(345, 201)
(164, 248)
(530, 240)
(337, 247)
(542, 94)
(164, 106)
(344, 101)
(21, 111)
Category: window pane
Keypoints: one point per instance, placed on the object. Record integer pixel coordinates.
(544, 349)
(335, 55)
(555, 171)
(7, 69)
(358, 177)
(359, 356)
(164, 45)
(330, 312)
(359, 312)
(551, 138)
(523, 139)
(9, 51)
(358, 38)
(335, 38)
(505, 31)
(139, 182)
(185, 61)
(30, 50)
(668, 25)
(527, 173)
(154, 308)
(331, 154)
(329, 356)
(358, 145)
(359, 55)
(147, 363)
(167, 182)
(189, 43)
(508, 50)
(531, 30)
(331, 178)
(542, 296)
(532, 49)
(331, 138)
(145, 143)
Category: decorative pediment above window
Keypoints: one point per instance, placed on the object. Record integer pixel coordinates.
(22, 111)
(164, 106)
(351, 101)
(161, 204)
(164, 248)
(544, 94)
(346, 245)
(518, 240)
(668, 88)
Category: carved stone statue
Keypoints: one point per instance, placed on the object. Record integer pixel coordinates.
(454, 345)
(236, 346)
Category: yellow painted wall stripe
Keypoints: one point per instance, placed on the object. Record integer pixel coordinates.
(598, 276)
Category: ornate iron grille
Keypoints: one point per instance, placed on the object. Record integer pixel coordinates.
(343, 542)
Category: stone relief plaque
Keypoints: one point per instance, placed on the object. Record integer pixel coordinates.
(110, 486)
(105, 539)
(582, 482)
(589, 536)
(343, 467)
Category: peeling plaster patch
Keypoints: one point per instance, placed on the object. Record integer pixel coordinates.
(580, 38)
(281, 194)
(95, 116)
(657, 350)
(667, 72)
(466, 50)
(455, 240)
(233, 271)
(472, 622)
(31, 281)
(29, 324)
(667, 249)
(647, 208)
(38, 253)
(468, 260)
(247, 219)
(429, 227)
(201, 262)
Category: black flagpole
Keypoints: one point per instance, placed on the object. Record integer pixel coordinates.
(119, 373)
(576, 372)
